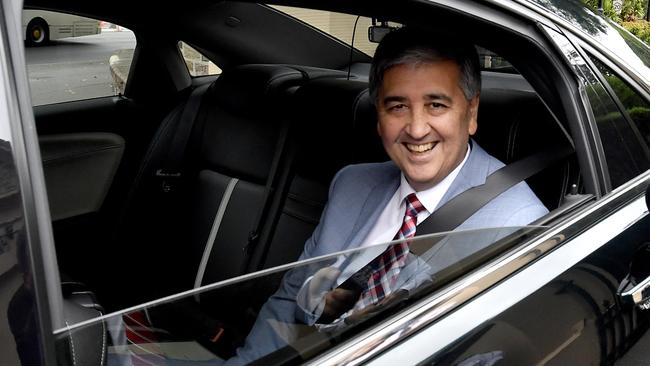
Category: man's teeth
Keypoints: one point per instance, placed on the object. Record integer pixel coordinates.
(420, 148)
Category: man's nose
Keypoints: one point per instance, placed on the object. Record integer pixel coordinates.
(419, 125)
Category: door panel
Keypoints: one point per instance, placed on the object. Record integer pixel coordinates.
(107, 138)
(79, 170)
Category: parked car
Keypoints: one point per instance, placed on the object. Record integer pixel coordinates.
(152, 227)
(41, 26)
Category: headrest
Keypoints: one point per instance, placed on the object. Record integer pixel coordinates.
(245, 110)
(337, 126)
(246, 89)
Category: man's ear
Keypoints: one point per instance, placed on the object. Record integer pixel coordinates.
(473, 115)
(378, 128)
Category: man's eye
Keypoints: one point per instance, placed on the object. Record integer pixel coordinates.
(437, 105)
(397, 107)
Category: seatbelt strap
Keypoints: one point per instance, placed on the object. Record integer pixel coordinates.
(171, 166)
(453, 213)
(269, 188)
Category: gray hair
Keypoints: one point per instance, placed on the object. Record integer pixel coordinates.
(408, 46)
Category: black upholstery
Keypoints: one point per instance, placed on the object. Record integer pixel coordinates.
(239, 139)
(513, 123)
(335, 126)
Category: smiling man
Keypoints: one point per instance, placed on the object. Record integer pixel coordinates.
(426, 89)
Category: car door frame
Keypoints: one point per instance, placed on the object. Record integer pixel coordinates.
(17, 122)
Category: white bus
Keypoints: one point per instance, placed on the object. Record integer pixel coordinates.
(41, 26)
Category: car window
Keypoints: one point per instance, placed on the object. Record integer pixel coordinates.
(634, 104)
(197, 63)
(338, 25)
(73, 58)
(209, 323)
(625, 132)
(341, 26)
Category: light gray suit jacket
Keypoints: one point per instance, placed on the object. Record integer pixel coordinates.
(357, 196)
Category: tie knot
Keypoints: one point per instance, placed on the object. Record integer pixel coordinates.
(413, 205)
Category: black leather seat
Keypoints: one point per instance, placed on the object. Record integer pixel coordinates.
(230, 175)
(335, 126)
(513, 123)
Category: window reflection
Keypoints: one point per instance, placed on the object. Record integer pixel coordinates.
(267, 317)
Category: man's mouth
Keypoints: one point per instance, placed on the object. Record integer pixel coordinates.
(420, 148)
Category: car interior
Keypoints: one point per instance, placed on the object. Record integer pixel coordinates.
(182, 182)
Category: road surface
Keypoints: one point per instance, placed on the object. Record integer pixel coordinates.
(74, 68)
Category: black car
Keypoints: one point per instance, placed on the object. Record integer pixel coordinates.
(160, 179)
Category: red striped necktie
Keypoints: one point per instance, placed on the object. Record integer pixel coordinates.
(386, 267)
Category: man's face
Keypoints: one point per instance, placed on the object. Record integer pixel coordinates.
(425, 121)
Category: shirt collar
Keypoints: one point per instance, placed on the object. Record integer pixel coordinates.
(432, 196)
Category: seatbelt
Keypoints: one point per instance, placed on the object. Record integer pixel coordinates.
(275, 176)
(171, 166)
(453, 213)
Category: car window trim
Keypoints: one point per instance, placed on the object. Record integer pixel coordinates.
(594, 160)
(599, 75)
(570, 30)
(423, 314)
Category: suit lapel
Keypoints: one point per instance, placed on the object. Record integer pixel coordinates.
(472, 174)
(377, 199)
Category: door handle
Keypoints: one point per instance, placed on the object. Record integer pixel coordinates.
(638, 295)
(634, 290)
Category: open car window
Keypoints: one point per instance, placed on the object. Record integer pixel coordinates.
(277, 314)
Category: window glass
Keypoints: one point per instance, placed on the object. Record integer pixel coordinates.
(636, 107)
(341, 25)
(197, 64)
(72, 58)
(625, 134)
(202, 326)
(338, 25)
(490, 61)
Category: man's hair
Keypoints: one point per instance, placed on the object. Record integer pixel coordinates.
(411, 46)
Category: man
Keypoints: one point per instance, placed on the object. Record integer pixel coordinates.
(426, 91)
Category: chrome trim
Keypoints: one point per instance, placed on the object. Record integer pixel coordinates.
(388, 333)
(638, 295)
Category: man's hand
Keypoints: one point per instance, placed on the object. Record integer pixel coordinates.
(370, 310)
(337, 303)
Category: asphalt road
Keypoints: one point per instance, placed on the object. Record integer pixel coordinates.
(74, 68)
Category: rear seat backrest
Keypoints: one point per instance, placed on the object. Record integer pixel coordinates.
(240, 139)
(513, 123)
(336, 126)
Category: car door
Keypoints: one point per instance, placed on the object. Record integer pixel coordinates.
(574, 304)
